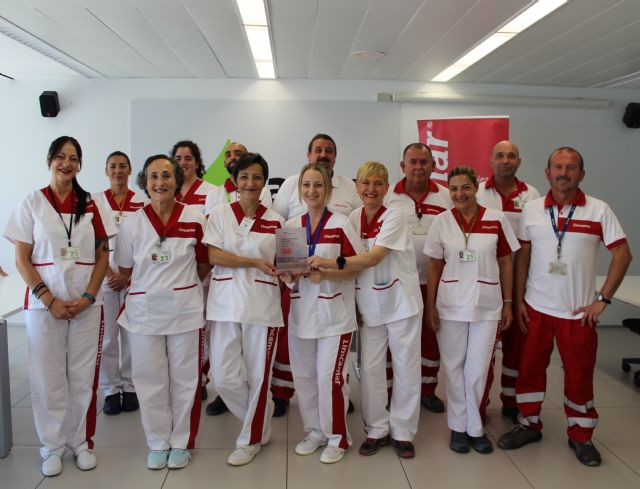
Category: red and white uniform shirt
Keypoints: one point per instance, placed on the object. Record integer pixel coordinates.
(197, 194)
(592, 222)
(228, 193)
(435, 201)
(327, 308)
(37, 222)
(390, 291)
(165, 295)
(512, 204)
(470, 290)
(243, 295)
(118, 214)
(344, 197)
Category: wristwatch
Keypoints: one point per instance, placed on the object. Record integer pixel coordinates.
(602, 298)
(91, 297)
(341, 261)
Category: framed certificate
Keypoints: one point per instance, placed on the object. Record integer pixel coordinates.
(291, 250)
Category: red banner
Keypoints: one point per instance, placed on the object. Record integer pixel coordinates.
(468, 142)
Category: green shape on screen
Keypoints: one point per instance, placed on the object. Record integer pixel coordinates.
(217, 173)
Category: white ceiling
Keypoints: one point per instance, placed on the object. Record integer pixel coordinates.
(586, 43)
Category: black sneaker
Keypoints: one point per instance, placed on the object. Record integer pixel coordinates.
(216, 407)
(404, 449)
(511, 413)
(130, 402)
(433, 403)
(112, 405)
(587, 453)
(371, 445)
(203, 393)
(459, 442)
(280, 407)
(518, 437)
(481, 444)
(351, 407)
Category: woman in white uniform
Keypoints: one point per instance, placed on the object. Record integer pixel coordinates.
(389, 300)
(119, 203)
(469, 298)
(62, 255)
(160, 248)
(321, 322)
(244, 289)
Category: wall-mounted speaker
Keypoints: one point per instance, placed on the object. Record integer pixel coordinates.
(631, 116)
(49, 105)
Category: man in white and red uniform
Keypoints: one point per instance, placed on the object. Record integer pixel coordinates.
(421, 199)
(560, 235)
(504, 192)
(344, 199)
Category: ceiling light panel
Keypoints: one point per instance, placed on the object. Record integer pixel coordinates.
(254, 19)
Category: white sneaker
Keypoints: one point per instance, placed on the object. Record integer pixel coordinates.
(308, 446)
(86, 460)
(331, 455)
(52, 465)
(243, 455)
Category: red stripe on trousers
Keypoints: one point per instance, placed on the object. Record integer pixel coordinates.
(92, 411)
(489, 381)
(282, 350)
(257, 424)
(338, 412)
(512, 345)
(197, 398)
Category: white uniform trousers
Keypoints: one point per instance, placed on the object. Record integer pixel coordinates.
(242, 359)
(403, 339)
(115, 365)
(64, 358)
(318, 366)
(166, 373)
(466, 349)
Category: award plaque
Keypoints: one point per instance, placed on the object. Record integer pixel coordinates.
(291, 250)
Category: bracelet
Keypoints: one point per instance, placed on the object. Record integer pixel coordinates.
(51, 304)
(507, 301)
(35, 290)
(42, 292)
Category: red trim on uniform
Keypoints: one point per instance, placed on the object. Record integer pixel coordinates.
(388, 286)
(448, 281)
(186, 288)
(582, 227)
(137, 293)
(266, 282)
(92, 411)
(127, 205)
(524, 241)
(578, 199)
(258, 421)
(229, 186)
(194, 419)
(190, 198)
(507, 200)
(371, 230)
(85, 263)
(488, 382)
(420, 205)
(156, 222)
(214, 279)
(477, 227)
(338, 411)
(43, 264)
(615, 244)
(259, 225)
(26, 299)
(488, 283)
(327, 297)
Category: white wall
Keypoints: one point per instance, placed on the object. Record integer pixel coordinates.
(98, 113)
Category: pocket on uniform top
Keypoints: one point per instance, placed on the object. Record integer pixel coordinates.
(161, 305)
(489, 293)
(449, 291)
(389, 297)
(331, 308)
(189, 299)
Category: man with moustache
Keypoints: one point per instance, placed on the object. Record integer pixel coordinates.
(555, 277)
(344, 199)
(421, 200)
(506, 193)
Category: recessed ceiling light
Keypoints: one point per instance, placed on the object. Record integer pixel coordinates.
(256, 26)
(528, 17)
(368, 54)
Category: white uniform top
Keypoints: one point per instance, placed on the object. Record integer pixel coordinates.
(435, 201)
(470, 290)
(197, 194)
(512, 204)
(227, 193)
(390, 291)
(37, 223)
(344, 197)
(163, 298)
(243, 295)
(327, 308)
(117, 215)
(592, 222)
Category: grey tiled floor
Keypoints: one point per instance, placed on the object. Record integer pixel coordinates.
(121, 450)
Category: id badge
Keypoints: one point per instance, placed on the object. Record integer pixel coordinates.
(119, 219)
(558, 268)
(365, 244)
(245, 226)
(160, 257)
(419, 229)
(518, 203)
(70, 253)
(467, 255)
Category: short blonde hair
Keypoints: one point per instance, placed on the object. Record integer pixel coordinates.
(464, 170)
(372, 168)
(328, 186)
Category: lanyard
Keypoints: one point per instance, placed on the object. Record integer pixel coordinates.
(316, 235)
(418, 204)
(560, 234)
(55, 206)
(366, 228)
(473, 224)
(124, 200)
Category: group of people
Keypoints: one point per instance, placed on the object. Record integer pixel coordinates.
(150, 295)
